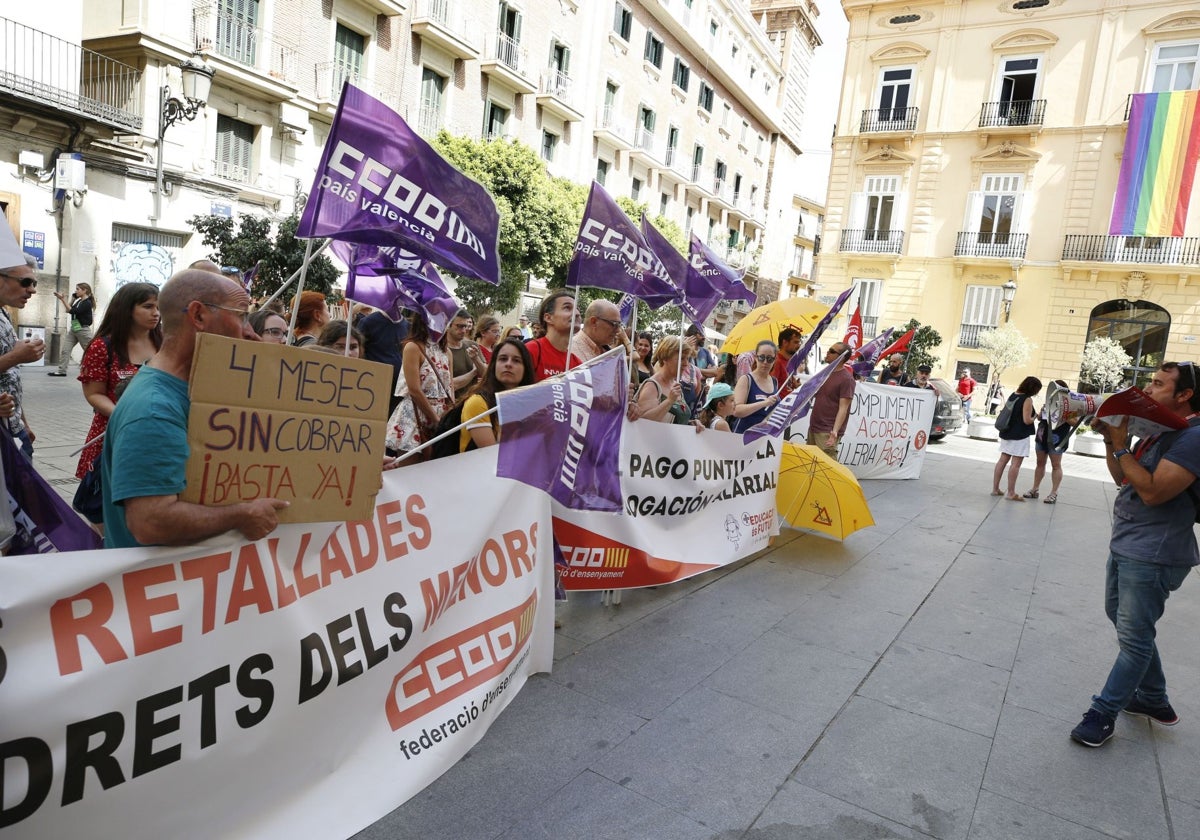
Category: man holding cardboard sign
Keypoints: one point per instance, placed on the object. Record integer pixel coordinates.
(144, 456)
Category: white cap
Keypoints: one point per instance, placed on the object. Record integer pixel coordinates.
(11, 255)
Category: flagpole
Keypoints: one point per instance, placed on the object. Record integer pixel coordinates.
(288, 281)
(574, 309)
(302, 271)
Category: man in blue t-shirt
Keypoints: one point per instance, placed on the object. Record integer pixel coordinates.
(145, 450)
(1152, 549)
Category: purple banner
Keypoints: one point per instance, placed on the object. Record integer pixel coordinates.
(799, 357)
(610, 252)
(563, 435)
(869, 353)
(378, 183)
(737, 291)
(659, 290)
(393, 280)
(45, 522)
(795, 405)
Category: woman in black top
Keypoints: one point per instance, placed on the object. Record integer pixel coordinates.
(1014, 440)
(80, 307)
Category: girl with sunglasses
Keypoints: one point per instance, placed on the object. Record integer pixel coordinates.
(756, 392)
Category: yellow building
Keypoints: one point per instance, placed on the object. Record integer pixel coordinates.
(978, 146)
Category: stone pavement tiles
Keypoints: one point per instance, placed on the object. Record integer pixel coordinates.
(918, 680)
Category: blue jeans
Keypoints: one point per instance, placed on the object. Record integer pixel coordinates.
(1135, 595)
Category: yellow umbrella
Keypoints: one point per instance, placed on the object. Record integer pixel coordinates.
(816, 493)
(765, 322)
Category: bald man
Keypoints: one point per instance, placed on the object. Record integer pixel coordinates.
(601, 331)
(146, 451)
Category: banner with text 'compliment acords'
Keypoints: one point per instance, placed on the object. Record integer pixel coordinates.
(300, 686)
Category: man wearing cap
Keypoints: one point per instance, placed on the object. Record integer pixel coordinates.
(922, 378)
(18, 282)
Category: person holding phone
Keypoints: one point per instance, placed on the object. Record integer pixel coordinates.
(80, 307)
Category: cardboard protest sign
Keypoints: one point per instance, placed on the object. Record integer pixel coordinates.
(287, 423)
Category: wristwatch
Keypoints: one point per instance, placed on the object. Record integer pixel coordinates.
(1119, 452)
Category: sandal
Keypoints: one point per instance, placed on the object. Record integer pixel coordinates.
(1051, 499)
(1014, 498)
(997, 493)
(1032, 494)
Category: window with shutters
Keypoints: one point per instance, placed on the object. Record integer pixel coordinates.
(549, 145)
(869, 293)
(995, 208)
(681, 76)
(602, 167)
(645, 128)
(433, 89)
(622, 21)
(635, 189)
(349, 47)
(654, 50)
(981, 312)
(879, 205)
(237, 30)
(1176, 66)
(706, 97)
(235, 149)
(697, 161)
(876, 217)
(495, 122)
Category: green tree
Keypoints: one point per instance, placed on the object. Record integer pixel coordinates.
(278, 255)
(924, 339)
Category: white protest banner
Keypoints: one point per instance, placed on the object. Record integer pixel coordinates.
(693, 502)
(300, 686)
(285, 422)
(887, 432)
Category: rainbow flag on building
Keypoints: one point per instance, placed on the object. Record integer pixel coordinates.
(1158, 168)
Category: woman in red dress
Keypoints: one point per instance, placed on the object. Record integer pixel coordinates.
(128, 336)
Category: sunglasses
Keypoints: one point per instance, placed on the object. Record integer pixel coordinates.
(25, 282)
(765, 358)
(1191, 374)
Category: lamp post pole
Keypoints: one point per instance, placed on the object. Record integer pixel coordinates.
(196, 78)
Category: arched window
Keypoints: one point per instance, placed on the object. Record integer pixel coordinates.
(1140, 327)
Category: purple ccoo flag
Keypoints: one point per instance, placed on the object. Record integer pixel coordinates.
(378, 183)
(393, 280)
(799, 357)
(869, 352)
(563, 435)
(794, 406)
(610, 252)
(659, 290)
(45, 522)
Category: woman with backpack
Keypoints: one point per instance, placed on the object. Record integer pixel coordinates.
(1015, 430)
(425, 389)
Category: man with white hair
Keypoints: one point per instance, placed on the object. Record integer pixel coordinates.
(18, 283)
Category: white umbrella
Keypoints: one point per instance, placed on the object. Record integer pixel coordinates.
(713, 335)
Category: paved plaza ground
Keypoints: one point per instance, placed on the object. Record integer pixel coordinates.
(918, 680)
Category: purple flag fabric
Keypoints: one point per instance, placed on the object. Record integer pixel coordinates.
(45, 522)
(378, 183)
(738, 291)
(563, 435)
(665, 287)
(393, 280)
(869, 352)
(610, 251)
(799, 357)
(795, 405)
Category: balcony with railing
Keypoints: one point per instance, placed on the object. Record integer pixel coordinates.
(889, 121)
(678, 166)
(554, 95)
(1144, 250)
(989, 245)
(872, 241)
(331, 76)
(1019, 113)
(612, 129)
(644, 145)
(506, 63)
(49, 73)
(969, 334)
(230, 171)
(443, 24)
(245, 55)
(429, 119)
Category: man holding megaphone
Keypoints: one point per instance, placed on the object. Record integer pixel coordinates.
(1152, 549)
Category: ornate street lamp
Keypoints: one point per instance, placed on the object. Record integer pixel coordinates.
(1009, 291)
(196, 83)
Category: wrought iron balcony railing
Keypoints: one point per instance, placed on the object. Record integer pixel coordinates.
(237, 40)
(1001, 246)
(872, 241)
(1018, 112)
(509, 53)
(888, 119)
(1152, 250)
(969, 334)
(47, 70)
(556, 83)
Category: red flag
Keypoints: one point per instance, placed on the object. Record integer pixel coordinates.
(854, 331)
(899, 346)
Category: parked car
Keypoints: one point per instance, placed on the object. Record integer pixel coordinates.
(948, 413)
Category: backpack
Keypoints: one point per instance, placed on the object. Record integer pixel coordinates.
(1005, 417)
(449, 444)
